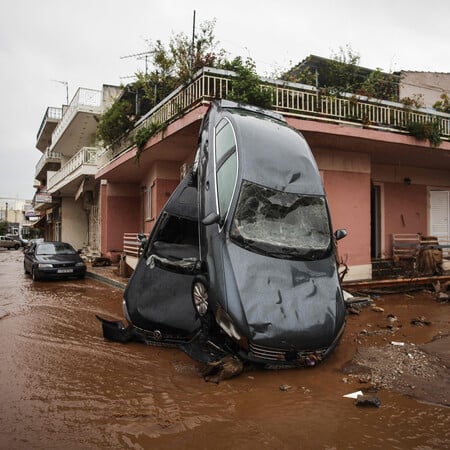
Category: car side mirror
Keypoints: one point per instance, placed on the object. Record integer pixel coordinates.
(141, 237)
(211, 218)
(340, 234)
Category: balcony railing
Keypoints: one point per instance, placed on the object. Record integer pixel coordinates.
(51, 114)
(87, 100)
(47, 156)
(87, 156)
(290, 99)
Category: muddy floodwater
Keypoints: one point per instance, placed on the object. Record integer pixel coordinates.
(62, 386)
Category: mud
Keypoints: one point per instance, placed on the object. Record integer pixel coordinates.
(63, 386)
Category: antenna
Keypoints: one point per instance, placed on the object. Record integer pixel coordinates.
(142, 55)
(193, 41)
(67, 89)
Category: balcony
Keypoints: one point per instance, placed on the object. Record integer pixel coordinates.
(51, 119)
(68, 178)
(49, 161)
(79, 122)
(290, 99)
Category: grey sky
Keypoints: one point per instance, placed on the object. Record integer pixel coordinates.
(82, 42)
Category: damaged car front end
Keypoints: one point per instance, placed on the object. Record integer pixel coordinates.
(242, 259)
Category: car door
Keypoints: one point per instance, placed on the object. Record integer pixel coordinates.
(158, 296)
(28, 258)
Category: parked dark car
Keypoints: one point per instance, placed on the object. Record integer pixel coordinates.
(243, 253)
(57, 260)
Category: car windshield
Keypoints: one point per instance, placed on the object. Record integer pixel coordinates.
(55, 248)
(281, 224)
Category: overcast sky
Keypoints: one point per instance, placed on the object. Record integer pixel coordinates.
(83, 43)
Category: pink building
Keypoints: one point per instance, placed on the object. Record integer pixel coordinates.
(379, 179)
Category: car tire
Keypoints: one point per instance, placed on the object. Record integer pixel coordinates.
(200, 296)
(16, 247)
(200, 300)
(34, 275)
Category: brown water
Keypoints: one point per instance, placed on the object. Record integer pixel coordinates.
(63, 387)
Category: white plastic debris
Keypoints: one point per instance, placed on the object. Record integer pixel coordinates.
(401, 344)
(353, 394)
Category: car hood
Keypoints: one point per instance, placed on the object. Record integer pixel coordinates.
(58, 259)
(284, 304)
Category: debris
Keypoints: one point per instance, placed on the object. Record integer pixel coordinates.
(443, 297)
(399, 344)
(227, 367)
(377, 309)
(285, 387)
(420, 321)
(368, 400)
(353, 394)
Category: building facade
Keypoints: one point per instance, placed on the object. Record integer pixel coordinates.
(380, 180)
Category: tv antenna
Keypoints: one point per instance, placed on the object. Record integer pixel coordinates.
(140, 56)
(66, 84)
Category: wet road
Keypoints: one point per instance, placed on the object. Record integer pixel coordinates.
(63, 387)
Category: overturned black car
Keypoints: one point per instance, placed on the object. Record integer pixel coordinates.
(241, 259)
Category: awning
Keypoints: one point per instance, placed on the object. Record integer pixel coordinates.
(40, 223)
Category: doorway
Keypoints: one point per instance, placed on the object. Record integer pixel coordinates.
(375, 220)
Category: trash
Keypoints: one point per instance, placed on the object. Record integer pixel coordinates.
(227, 367)
(353, 394)
(420, 321)
(377, 309)
(400, 344)
(368, 400)
(285, 387)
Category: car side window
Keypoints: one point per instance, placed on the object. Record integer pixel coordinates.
(226, 165)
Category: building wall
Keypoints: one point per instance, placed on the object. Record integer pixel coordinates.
(346, 178)
(120, 213)
(431, 85)
(74, 221)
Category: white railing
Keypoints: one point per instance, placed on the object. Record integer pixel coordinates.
(290, 99)
(46, 156)
(89, 100)
(131, 244)
(51, 113)
(85, 156)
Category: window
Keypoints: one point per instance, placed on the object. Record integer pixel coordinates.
(281, 224)
(226, 166)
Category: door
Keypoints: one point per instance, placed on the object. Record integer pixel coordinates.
(440, 217)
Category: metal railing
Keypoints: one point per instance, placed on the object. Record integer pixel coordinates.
(290, 99)
(85, 156)
(51, 113)
(84, 100)
(131, 244)
(46, 156)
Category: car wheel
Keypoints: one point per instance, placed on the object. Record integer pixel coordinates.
(34, 275)
(16, 247)
(200, 296)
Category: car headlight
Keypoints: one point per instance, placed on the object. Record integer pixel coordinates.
(226, 323)
(45, 265)
(79, 264)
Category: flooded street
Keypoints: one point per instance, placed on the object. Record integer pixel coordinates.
(63, 386)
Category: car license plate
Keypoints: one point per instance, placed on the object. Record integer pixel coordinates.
(65, 270)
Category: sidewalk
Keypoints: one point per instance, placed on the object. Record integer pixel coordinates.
(107, 274)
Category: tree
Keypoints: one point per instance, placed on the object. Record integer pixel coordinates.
(246, 87)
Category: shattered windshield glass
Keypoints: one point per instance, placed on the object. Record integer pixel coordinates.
(281, 224)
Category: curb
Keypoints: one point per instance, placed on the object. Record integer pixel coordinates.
(114, 283)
